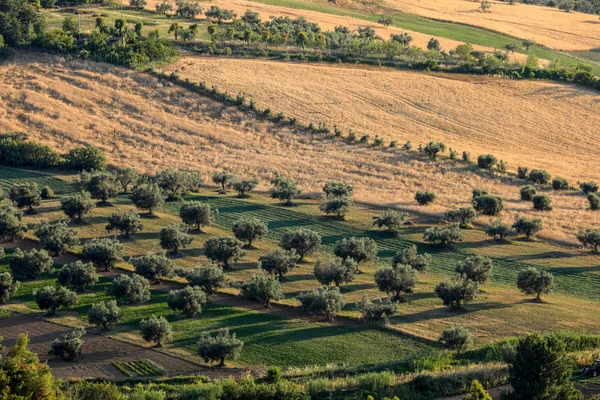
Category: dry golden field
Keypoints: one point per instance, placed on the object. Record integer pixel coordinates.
(143, 123)
(547, 26)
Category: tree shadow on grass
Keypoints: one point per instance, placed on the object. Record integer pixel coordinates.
(443, 313)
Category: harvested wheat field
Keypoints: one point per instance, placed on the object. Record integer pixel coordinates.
(546, 25)
(143, 123)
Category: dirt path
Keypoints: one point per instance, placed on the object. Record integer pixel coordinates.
(99, 352)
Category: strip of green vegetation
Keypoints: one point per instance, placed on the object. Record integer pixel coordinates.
(446, 29)
(139, 368)
(13, 176)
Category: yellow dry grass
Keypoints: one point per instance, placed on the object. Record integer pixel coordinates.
(547, 26)
(149, 125)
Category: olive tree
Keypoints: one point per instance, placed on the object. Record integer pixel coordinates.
(486, 161)
(219, 347)
(197, 214)
(223, 249)
(78, 276)
(51, 299)
(147, 197)
(527, 192)
(153, 266)
(209, 277)
(104, 313)
(445, 236)
(456, 337)
(464, 216)
(263, 288)
(588, 187)
(25, 195)
(126, 177)
(132, 289)
(424, 197)
(409, 256)
(488, 204)
(594, 201)
(528, 227)
(322, 301)
(589, 238)
(559, 183)
(457, 291)
(174, 237)
(157, 330)
(333, 189)
(535, 283)
(303, 241)
(30, 264)
(222, 178)
(11, 225)
(278, 261)
(498, 230)
(189, 300)
(284, 189)
(56, 237)
(102, 186)
(8, 286)
(539, 176)
(476, 268)
(76, 206)
(249, 229)
(376, 311)
(337, 205)
(86, 158)
(396, 280)
(243, 186)
(174, 183)
(542, 202)
(103, 253)
(391, 219)
(68, 346)
(359, 249)
(433, 148)
(338, 270)
(124, 223)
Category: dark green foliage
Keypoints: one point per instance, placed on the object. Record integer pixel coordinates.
(20, 23)
(466, 156)
(126, 177)
(528, 227)
(588, 187)
(196, 214)
(463, 215)
(77, 276)
(86, 390)
(278, 261)
(527, 192)
(488, 204)
(433, 44)
(594, 201)
(221, 177)
(457, 291)
(376, 311)
(303, 241)
(104, 253)
(243, 186)
(46, 193)
(86, 158)
(220, 14)
(263, 288)
(535, 283)
(16, 150)
(132, 289)
(175, 183)
(189, 300)
(486, 161)
(359, 249)
(147, 197)
(396, 280)
(11, 225)
(7, 286)
(153, 266)
(51, 299)
(391, 219)
(338, 206)
(322, 301)
(209, 277)
(56, 237)
(30, 264)
(249, 229)
(541, 370)
(174, 237)
(498, 230)
(157, 330)
(104, 313)
(522, 172)
(223, 250)
(539, 176)
(433, 148)
(76, 206)
(284, 189)
(476, 268)
(443, 236)
(479, 192)
(589, 238)
(409, 256)
(337, 270)
(102, 186)
(407, 146)
(219, 347)
(273, 375)
(424, 198)
(25, 195)
(385, 20)
(68, 346)
(334, 189)
(542, 202)
(125, 223)
(559, 183)
(456, 337)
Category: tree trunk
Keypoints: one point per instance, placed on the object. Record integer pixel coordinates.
(222, 363)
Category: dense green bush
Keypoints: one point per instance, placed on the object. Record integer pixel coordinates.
(486, 161)
(542, 202)
(424, 197)
(539, 176)
(488, 204)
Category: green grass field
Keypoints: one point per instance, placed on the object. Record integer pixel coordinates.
(13, 176)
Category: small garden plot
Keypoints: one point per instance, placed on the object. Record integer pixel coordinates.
(139, 368)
